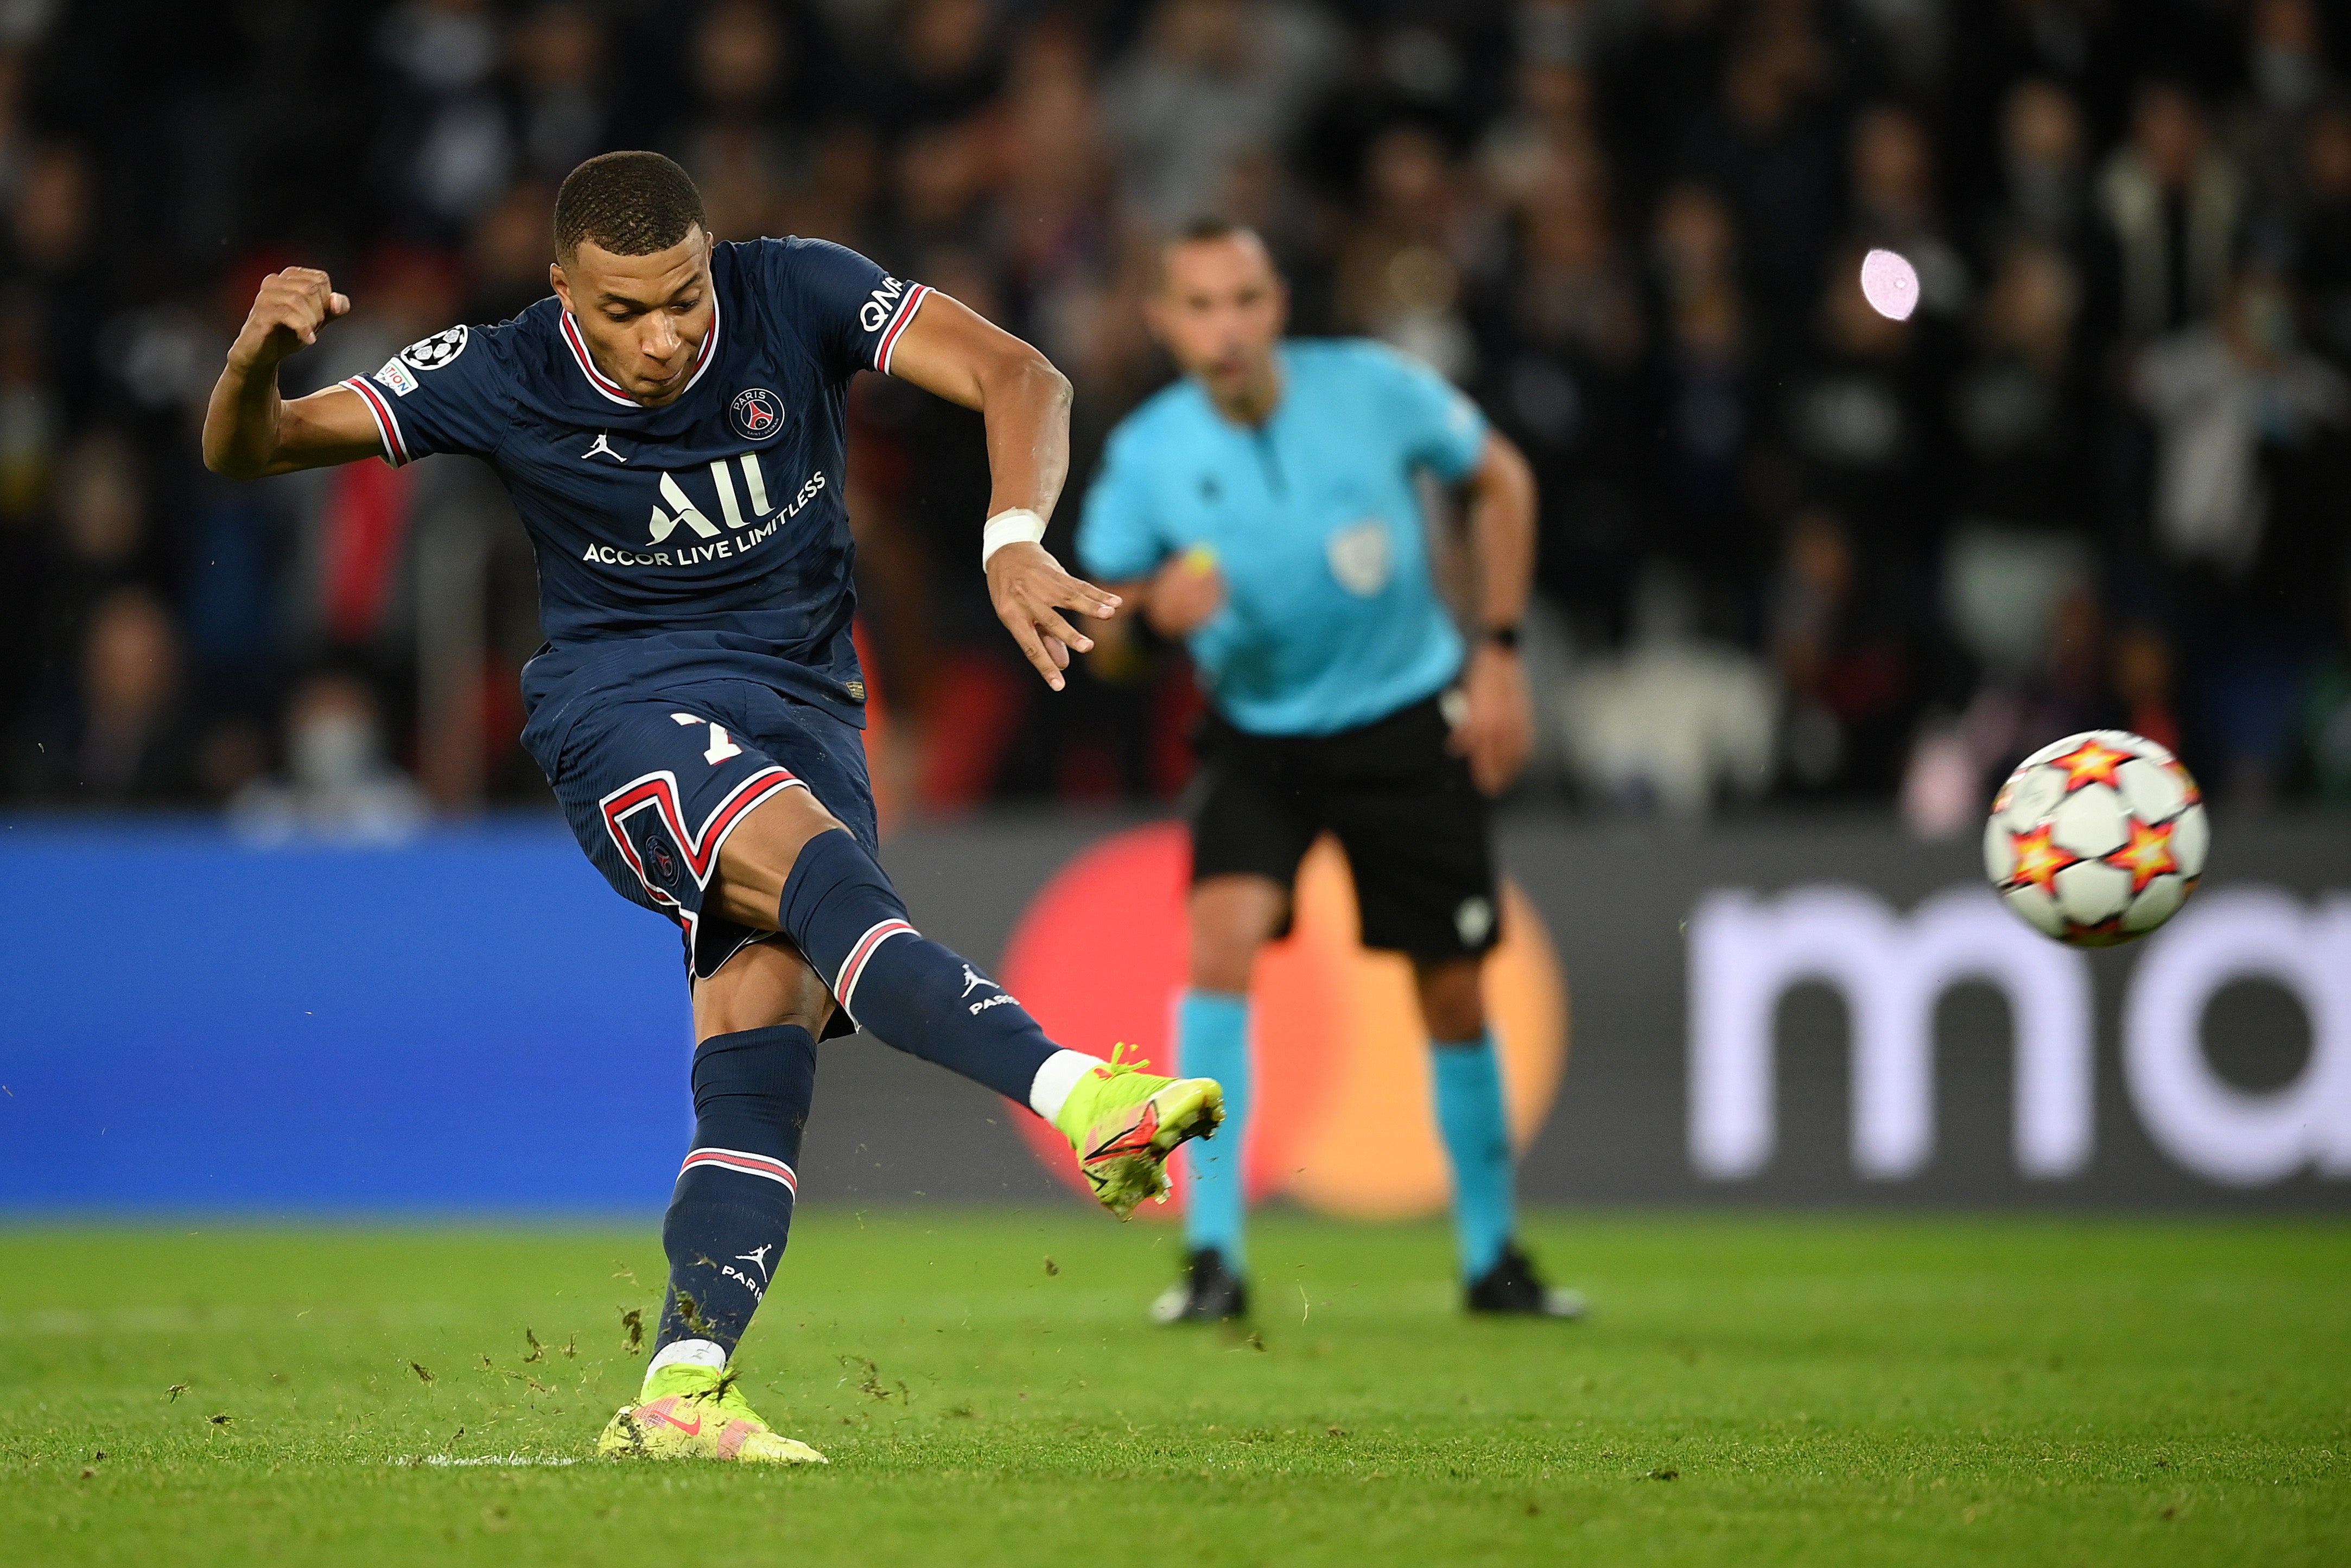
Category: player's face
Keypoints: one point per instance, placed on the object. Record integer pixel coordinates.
(645, 317)
(1220, 311)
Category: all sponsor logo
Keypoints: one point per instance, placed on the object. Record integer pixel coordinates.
(757, 413)
(431, 353)
(750, 511)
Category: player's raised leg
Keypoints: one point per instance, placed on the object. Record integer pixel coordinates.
(1474, 1119)
(730, 1214)
(790, 866)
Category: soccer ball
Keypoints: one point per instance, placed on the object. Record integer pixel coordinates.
(2097, 839)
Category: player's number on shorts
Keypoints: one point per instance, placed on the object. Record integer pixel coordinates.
(721, 746)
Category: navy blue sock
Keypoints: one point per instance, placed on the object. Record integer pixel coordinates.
(890, 978)
(732, 1211)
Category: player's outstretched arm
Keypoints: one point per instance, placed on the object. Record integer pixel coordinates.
(250, 432)
(1496, 734)
(952, 352)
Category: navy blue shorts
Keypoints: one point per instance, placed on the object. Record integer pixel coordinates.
(653, 779)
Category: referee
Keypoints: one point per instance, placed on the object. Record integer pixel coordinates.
(1264, 509)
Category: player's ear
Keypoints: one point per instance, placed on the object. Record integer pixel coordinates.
(556, 281)
(1155, 315)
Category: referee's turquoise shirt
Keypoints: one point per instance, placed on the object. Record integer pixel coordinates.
(1332, 619)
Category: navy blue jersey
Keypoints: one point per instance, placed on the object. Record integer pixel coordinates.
(706, 538)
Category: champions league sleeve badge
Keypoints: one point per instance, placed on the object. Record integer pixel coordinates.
(757, 413)
(431, 353)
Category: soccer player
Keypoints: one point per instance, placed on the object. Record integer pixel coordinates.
(670, 426)
(1264, 508)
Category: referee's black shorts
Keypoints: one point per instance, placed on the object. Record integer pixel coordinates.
(1416, 831)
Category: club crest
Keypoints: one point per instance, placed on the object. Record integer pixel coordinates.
(757, 413)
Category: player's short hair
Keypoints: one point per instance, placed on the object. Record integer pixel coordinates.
(631, 203)
(1206, 230)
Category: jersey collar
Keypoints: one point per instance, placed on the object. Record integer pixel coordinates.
(610, 388)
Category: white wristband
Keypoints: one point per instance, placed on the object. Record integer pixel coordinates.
(1014, 524)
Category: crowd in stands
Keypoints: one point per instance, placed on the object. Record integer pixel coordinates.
(1791, 548)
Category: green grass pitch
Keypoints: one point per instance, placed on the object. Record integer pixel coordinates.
(1750, 1389)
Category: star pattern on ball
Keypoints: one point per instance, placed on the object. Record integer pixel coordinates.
(2149, 854)
(2039, 858)
(2108, 933)
(2092, 762)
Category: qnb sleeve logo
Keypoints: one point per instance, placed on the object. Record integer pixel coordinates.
(1746, 952)
(1340, 1118)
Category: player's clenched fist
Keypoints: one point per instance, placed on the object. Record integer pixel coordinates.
(1030, 591)
(285, 316)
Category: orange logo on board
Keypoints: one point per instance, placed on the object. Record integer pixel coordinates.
(1341, 1114)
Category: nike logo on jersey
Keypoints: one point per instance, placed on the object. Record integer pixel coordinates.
(603, 447)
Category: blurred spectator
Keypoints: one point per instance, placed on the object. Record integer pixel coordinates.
(1400, 274)
(2249, 484)
(1769, 146)
(946, 63)
(2173, 209)
(1566, 379)
(509, 256)
(2019, 543)
(1861, 423)
(1210, 80)
(2097, 479)
(101, 541)
(2043, 170)
(29, 414)
(561, 114)
(2323, 258)
(49, 235)
(339, 785)
(1705, 384)
(1894, 205)
(2285, 62)
(1843, 639)
(2218, 392)
(1675, 723)
(445, 139)
(125, 738)
(1671, 68)
(756, 98)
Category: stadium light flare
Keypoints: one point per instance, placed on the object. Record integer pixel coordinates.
(1890, 284)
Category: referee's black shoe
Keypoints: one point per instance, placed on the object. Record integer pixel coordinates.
(1209, 1294)
(1512, 1287)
